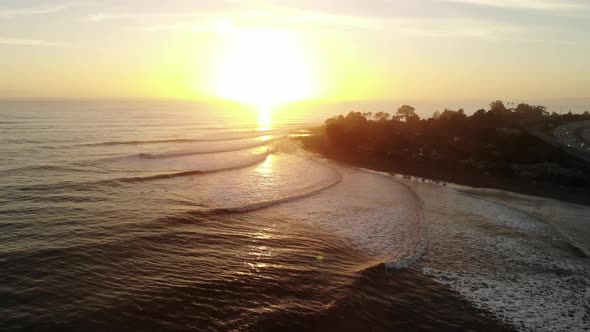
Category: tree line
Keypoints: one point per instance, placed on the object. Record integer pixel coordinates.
(499, 136)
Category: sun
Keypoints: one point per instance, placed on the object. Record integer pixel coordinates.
(263, 68)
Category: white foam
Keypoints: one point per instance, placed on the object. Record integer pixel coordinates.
(371, 210)
(416, 242)
(553, 299)
(506, 261)
(569, 220)
(505, 215)
(306, 192)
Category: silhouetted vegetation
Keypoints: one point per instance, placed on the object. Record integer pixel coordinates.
(500, 141)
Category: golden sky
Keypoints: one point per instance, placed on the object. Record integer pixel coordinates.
(270, 52)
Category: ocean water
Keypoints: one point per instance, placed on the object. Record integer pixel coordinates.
(165, 216)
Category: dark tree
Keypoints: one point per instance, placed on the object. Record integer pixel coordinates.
(407, 113)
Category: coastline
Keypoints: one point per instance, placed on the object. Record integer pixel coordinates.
(466, 285)
(442, 308)
(318, 144)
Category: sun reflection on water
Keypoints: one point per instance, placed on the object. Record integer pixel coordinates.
(267, 168)
(265, 138)
(264, 119)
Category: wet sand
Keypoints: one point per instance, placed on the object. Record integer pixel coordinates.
(573, 193)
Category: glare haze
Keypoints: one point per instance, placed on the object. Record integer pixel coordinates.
(267, 52)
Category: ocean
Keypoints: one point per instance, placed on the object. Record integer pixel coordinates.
(174, 216)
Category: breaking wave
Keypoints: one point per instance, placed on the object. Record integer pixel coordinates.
(250, 162)
(190, 152)
(238, 164)
(241, 136)
(377, 214)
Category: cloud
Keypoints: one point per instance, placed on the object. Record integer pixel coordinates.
(26, 42)
(220, 26)
(15, 12)
(318, 23)
(474, 29)
(101, 17)
(311, 19)
(456, 28)
(524, 4)
(298, 23)
(216, 20)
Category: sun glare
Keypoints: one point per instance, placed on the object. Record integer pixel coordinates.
(264, 118)
(263, 68)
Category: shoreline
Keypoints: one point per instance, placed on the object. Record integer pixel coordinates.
(488, 232)
(566, 193)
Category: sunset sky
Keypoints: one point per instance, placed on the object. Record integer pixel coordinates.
(279, 51)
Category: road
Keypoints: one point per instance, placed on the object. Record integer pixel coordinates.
(575, 138)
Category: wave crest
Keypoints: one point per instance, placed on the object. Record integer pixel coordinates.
(251, 162)
(246, 135)
(182, 153)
